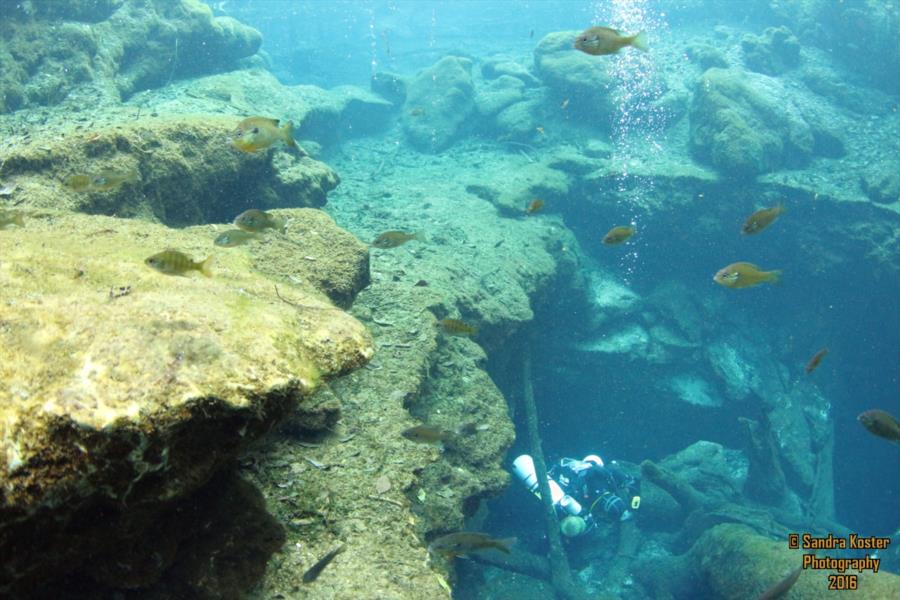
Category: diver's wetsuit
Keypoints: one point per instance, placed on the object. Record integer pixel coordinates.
(601, 490)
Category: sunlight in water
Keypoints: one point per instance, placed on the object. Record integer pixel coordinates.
(638, 125)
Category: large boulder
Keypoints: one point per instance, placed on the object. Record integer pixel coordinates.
(499, 66)
(326, 116)
(185, 171)
(733, 561)
(519, 120)
(745, 124)
(125, 389)
(438, 102)
(772, 53)
(881, 182)
(510, 189)
(582, 79)
(116, 49)
(498, 94)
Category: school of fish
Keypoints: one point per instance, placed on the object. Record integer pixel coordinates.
(258, 133)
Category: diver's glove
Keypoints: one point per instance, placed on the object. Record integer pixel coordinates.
(627, 515)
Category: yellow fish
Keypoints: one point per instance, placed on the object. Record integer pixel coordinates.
(424, 434)
(457, 327)
(598, 41)
(106, 181)
(462, 543)
(761, 219)
(234, 237)
(617, 235)
(173, 262)
(255, 220)
(257, 133)
(743, 274)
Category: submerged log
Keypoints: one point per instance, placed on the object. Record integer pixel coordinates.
(560, 574)
(683, 492)
(517, 561)
(765, 477)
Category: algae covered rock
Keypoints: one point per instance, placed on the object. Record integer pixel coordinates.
(519, 120)
(881, 183)
(501, 66)
(706, 56)
(574, 75)
(746, 124)
(338, 113)
(178, 170)
(125, 387)
(315, 251)
(326, 116)
(773, 53)
(735, 562)
(438, 102)
(390, 86)
(498, 94)
(511, 191)
(117, 48)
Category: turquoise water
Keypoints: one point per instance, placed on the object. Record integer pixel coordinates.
(836, 292)
(637, 353)
(847, 304)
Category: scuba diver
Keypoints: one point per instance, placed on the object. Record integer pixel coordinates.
(584, 491)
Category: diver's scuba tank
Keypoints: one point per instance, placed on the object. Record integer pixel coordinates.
(523, 467)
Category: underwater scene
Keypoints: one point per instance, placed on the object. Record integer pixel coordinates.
(469, 299)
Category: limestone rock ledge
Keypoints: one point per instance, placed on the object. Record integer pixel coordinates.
(181, 166)
(123, 387)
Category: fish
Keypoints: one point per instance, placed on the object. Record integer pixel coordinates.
(255, 220)
(815, 360)
(392, 239)
(314, 571)
(564, 104)
(11, 217)
(534, 206)
(7, 189)
(234, 237)
(540, 130)
(598, 41)
(174, 262)
(109, 180)
(782, 587)
(425, 434)
(761, 219)
(617, 235)
(106, 181)
(417, 111)
(743, 274)
(463, 543)
(881, 423)
(258, 133)
(421, 283)
(79, 183)
(457, 327)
